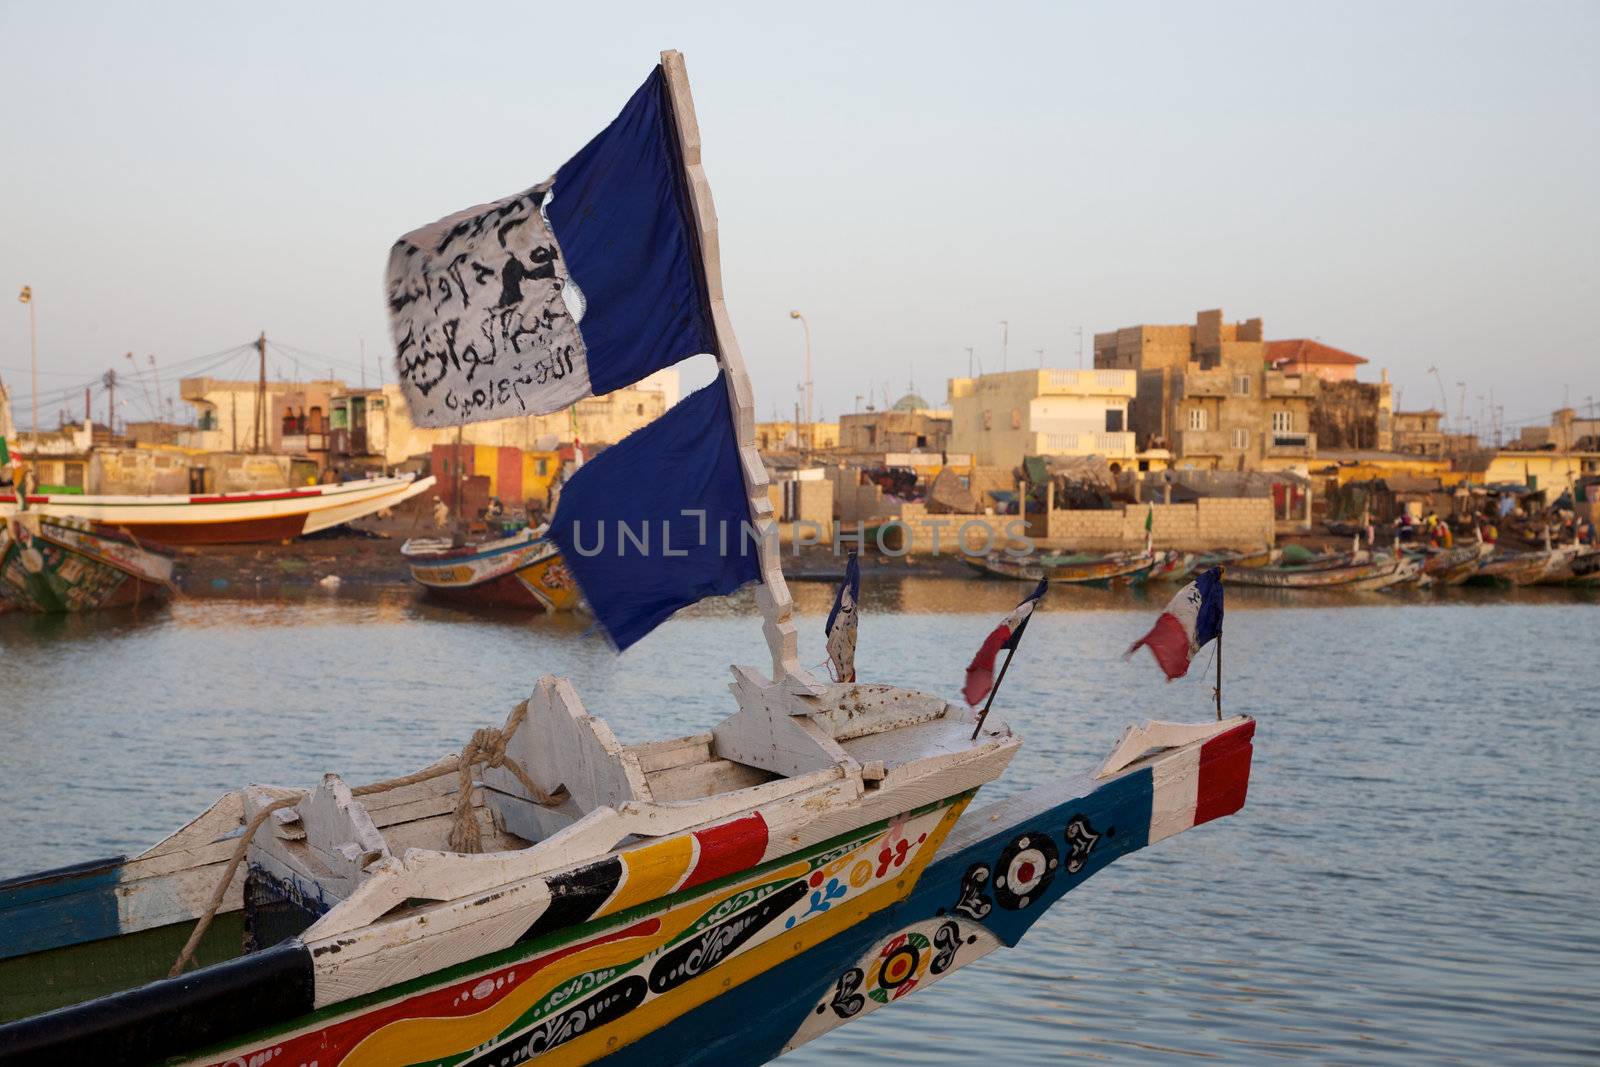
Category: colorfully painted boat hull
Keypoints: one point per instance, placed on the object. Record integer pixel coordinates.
(512, 573)
(1122, 569)
(1379, 573)
(1520, 568)
(52, 567)
(709, 959)
(231, 518)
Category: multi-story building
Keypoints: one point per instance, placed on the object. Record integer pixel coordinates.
(911, 425)
(1206, 392)
(1001, 418)
(1419, 432)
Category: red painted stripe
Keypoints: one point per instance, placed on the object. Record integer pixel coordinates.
(1224, 773)
(249, 498)
(728, 848)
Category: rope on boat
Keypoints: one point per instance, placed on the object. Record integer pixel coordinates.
(487, 747)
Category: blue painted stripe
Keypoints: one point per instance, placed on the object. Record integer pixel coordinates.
(66, 906)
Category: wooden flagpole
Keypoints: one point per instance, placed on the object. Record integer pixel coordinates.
(772, 595)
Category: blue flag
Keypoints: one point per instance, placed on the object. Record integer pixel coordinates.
(583, 284)
(659, 521)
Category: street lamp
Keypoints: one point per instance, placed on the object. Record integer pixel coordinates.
(26, 296)
(807, 326)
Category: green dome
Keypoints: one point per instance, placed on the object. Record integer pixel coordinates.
(910, 402)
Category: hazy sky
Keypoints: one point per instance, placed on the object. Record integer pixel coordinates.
(1414, 183)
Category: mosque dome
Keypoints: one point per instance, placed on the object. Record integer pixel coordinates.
(910, 402)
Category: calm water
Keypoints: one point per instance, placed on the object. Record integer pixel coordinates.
(1414, 879)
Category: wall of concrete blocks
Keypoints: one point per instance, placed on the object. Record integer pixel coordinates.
(1211, 522)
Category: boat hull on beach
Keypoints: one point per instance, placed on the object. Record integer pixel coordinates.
(230, 518)
(53, 566)
(522, 572)
(1365, 576)
(727, 940)
(1122, 568)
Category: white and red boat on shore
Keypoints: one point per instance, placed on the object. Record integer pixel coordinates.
(229, 518)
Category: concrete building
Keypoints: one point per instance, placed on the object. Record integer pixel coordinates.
(1206, 393)
(792, 436)
(336, 426)
(1566, 433)
(1419, 432)
(1302, 356)
(1001, 418)
(912, 424)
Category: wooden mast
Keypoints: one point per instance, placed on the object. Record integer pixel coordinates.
(777, 607)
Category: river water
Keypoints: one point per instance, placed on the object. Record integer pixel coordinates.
(1413, 880)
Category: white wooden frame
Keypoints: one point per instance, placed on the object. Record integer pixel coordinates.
(777, 607)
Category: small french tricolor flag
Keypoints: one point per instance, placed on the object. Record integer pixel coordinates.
(980, 672)
(1192, 618)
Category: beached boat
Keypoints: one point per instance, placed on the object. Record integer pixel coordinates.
(1453, 566)
(1184, 566)
(1376, 572)
(229, 518)
(521, 571)
(1118, 568)
(549, 892)
(1572, 565)
(1513, 568)
(52, 565)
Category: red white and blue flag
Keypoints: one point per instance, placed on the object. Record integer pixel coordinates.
(1192, 619)
(980, 672)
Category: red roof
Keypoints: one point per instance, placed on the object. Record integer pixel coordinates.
(1306, 351)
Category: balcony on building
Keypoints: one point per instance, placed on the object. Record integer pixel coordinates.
(1280, 384)
(1085, 443)
(1088, 383)
(1285, 443)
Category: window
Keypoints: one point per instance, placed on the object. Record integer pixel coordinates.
(988, 419)
(1197, 418)
(1241, 439)
(1016, 419)
(1241, 385)
(1283, 422)
(544, 467)
(1113, 420)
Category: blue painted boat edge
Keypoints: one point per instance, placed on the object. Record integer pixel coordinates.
(753, 1022)
(168, 1017)
(55, 908)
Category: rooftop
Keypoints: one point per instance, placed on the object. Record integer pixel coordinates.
(1305, 350)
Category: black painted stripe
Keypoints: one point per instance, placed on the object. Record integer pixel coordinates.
(170, 1016)
(576, 896)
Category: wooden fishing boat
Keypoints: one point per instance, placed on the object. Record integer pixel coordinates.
(1453, 566)
(53, 565)
(550, 893)
(1119, 568)
(521, 571)
(229, 518)
(1512, 568)
(1183, 566)
(715, 898)
(1572, 565)
(1378, 572)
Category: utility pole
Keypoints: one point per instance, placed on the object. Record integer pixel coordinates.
(1080, 347)
(159, 408)
(807, 327)
(110, 381)
(26, 296)
(261, 390)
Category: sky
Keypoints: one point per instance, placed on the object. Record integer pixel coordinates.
(1412, 183)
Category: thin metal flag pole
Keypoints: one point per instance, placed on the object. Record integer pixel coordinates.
(1218, 690)
(1012, 651)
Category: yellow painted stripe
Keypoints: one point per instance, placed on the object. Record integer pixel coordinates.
(654, 1014)
(418, 1040)
(651, 872)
